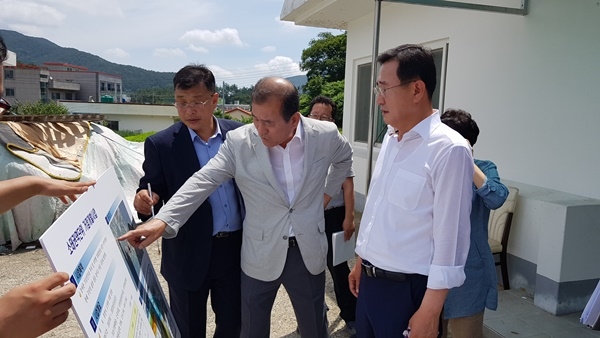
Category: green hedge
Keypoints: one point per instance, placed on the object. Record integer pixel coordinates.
(139, 137)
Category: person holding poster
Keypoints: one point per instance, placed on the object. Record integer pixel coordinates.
(206, 255)
(33, 309)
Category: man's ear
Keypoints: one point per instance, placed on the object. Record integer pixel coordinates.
(295, 119)
(215, 98)
(419, 91)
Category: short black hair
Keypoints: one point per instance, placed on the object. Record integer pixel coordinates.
(462, 122)
(3, 50)
(415, 62)
(193, 75)
(267, 87)
(324, 100)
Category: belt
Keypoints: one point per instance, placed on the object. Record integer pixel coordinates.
(224, 234)
(292, 241)
(334, 209)
(375, 272)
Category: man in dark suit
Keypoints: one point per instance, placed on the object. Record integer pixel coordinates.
(203, 258)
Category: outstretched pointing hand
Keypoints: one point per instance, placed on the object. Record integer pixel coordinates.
(145, 234)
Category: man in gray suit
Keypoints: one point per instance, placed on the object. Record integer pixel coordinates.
(280, 165)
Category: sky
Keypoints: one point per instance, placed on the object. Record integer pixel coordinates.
(239, 40)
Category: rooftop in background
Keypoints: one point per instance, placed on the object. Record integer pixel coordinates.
(53, 118)
(65, 65)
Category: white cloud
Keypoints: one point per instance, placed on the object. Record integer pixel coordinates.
(100, 8)
(30, 13)
(288, 25)
(197, 49)
(221, 73)
(225, 36)
(168, 52)
(117, 53)
(280, 66)
(269, 49)
(27, 29)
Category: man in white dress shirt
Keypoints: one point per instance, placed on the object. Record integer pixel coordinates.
(414, 235)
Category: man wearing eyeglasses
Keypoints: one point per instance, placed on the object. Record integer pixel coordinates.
(205, 257)
(339, 216)
(414, 234)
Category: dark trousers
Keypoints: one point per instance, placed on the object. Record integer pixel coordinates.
(306, 291)
(334, 218)
(385, 307)
(223, 282)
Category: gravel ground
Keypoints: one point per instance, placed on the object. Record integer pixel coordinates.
(25, 266)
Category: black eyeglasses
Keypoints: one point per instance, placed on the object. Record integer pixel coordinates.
(320, 117)
(4, 106)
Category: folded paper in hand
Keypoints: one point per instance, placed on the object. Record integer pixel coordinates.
(342, 250)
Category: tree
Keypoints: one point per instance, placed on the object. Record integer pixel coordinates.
(153, 95)
(325, 57)
(325, 63)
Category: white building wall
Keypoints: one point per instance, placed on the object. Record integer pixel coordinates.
(146, 117)
(531, 82)
(144, 123)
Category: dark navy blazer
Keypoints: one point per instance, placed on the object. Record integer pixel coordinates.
(170, 159)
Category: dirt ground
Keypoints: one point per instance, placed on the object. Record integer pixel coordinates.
(24, 266)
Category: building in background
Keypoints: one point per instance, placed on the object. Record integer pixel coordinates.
(25, 83)
(93, 86)
(60, 81)
(238, 113)
(128, 116)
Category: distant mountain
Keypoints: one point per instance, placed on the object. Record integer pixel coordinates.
(38, 50)
(299, 81)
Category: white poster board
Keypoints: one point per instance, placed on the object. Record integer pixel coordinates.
(118, 292)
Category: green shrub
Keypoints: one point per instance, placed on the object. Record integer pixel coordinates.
(40, 108)
(140, 137)
(125, 133)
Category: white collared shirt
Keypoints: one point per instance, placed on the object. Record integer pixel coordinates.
(288, 165)
(416, 217)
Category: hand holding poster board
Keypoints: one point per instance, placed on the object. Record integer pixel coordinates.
(118, 291)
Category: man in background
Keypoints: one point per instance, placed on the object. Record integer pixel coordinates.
(205, 257)
(339, 216)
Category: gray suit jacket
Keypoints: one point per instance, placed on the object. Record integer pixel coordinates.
(269, 215)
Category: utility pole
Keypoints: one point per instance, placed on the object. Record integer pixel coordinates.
(223, 89)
